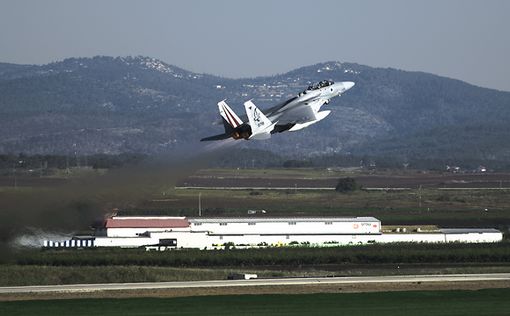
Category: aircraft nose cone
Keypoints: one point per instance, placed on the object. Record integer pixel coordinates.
(348, 84)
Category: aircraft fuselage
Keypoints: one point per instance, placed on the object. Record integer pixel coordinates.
(294, 114)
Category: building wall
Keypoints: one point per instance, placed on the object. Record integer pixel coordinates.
(475, 237)
(70, 243)
(135, 232)
(429, 238)
(210, 233)
(203, 240)
(288, 227)
(124, 242)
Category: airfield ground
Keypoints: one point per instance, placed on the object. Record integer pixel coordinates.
(437, 198)
(454, 302)
(443, 199)
(327, 178)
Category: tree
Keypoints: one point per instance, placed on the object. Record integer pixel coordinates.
(347, 185)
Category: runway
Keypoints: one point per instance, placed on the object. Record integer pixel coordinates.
(77, 288)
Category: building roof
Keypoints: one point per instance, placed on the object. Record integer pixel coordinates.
(280, 219)
(147, 222)
(183, 222)
(468, 230)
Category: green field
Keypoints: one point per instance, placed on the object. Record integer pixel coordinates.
(394, 253)
(482, 302)
(36, 267)
(154, 194)
(415, 207)
(72, 204)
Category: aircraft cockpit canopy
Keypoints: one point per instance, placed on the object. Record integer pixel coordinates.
(321, 84)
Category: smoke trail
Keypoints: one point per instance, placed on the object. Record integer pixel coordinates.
(76, 204)
(34, 238)
(221, 145)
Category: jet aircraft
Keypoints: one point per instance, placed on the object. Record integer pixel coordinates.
(292, 115)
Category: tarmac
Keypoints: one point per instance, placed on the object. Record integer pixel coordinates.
(87, 288)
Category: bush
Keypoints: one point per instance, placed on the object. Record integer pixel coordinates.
(347, 185)
(291, 256)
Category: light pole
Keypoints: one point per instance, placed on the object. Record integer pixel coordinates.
(14, 175)
(200, 204)
(20, 162)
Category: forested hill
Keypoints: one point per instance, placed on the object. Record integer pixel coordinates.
(143, 105)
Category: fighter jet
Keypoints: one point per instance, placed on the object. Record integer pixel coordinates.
(292, 115)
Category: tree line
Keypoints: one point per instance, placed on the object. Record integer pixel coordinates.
(366, 254)
(99, 161)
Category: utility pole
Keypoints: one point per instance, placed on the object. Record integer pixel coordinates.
(20, 163)
(200, 204)
(14, 175)
(419, 196)
(67, 165)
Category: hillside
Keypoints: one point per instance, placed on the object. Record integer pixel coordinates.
(143, 105)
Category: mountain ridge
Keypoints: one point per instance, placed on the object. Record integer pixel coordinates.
(141, 104)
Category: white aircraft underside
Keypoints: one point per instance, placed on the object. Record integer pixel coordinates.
(292, 115)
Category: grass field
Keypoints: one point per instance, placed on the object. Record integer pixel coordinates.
(16, 275)
(482, 302)
(430, 205)
(35, 267)
(11, 275)
(419, 207)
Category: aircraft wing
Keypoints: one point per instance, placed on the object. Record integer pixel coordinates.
(302, 113)
(275, 108)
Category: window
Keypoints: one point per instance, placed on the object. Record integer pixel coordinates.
(292, 223)
(328, 223)
(223, 224)
(251, 223)
(197, 224)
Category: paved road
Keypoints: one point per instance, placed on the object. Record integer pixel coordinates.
(255, 282)
(462, 180)
(332, 188)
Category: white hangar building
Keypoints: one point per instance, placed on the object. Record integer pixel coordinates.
(212, 233)
(215, 233)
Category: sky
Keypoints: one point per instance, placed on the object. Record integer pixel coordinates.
(463, 39)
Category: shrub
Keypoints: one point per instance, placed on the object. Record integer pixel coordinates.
(347, 185)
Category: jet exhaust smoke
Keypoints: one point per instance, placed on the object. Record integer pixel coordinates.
(76, 204)
(34, 238)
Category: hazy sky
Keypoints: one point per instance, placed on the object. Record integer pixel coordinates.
(467, 40)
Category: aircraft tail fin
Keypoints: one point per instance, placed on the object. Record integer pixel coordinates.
(261, 126)
(230, 118)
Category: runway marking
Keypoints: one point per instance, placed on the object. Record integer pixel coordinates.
(76, 288)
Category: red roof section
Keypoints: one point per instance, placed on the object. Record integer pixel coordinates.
(147, 223)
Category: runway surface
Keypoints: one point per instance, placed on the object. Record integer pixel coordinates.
(76, 288)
